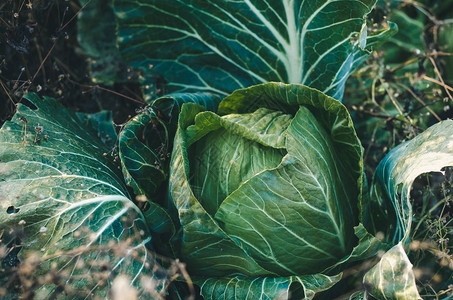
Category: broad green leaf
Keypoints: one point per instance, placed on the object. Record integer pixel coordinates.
(146, 141)
(205, 247)
(143, 149)
(221, 46)
(428, 152)
(297, 218)
(247, 288)
(331, 115)
(392, 277)
(67, 197)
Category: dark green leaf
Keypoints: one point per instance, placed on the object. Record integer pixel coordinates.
(146, 141)
(221, 46)
(102, 125)
(97, 36)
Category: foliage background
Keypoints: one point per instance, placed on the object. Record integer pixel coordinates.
(404, 87)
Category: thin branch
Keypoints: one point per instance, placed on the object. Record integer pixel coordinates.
(420, 100)
(42, 63)
(8, 94)
(107, 90)
(433, 62)
(75, 15)
(445, 86)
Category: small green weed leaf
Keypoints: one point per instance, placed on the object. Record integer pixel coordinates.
(409, 38)
(359, 295)
(221, 46)
(247, 288)
(62, 198)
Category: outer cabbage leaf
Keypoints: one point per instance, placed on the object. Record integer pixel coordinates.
(239, 287)
(68, 199)
(209, 251)
(221, 46)
(392, 277)
(202, 238)
(390, 204)
(143, 146)
(146, 141)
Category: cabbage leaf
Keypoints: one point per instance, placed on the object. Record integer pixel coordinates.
(228, 261)
(220, 46)
(430, 151)
(62, 197)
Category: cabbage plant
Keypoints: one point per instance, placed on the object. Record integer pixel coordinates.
(268, 191)
(265, 196)
(262, 196)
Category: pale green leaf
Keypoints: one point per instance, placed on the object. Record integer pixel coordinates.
(269, 288)
(391, 205)
(392, 277)
(428, 152)
(233, 150)
(67, 197)
(359, 295)
(297, 218)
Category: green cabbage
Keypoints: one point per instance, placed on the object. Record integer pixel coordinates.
(269, 188)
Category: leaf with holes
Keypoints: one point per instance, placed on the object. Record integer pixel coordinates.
(390, 210)
(221, 46)
(62, 198)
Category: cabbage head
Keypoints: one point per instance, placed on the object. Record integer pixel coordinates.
(268, 192)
